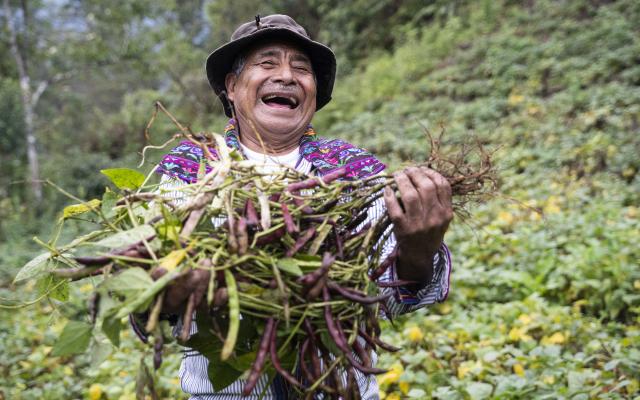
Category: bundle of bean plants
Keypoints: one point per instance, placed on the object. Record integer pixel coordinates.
(285, 266)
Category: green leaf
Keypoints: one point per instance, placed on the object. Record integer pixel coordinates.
(169, 230)
(124, 178)
(54, 287)
(328, 342)
(206, 344)
(111, 326)
(416, 393)
(221, 374)
(109, 200)
(289, 265)
(129, 283)
(74, 339)
(36, 266)
(308, 259)
(77, 209)
(127, 238)
(99, 352)
(479, 390)
(244, 361)
(288, 359)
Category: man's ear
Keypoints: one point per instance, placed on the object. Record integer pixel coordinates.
(230, 84)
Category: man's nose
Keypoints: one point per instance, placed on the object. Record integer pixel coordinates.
(284, 74)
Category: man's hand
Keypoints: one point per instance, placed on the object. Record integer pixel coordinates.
(194, 282)
(420, 218)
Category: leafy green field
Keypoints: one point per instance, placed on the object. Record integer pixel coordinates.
(545, 293)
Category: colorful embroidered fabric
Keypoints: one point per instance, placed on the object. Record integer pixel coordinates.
(325, 155)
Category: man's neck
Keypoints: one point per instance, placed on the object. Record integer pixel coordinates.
(266, 143)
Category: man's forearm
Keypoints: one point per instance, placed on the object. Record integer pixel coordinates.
(415, 266)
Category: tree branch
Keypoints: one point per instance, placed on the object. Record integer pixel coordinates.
(13, 41)
(42, 86)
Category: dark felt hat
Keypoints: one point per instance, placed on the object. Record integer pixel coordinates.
(278, 27)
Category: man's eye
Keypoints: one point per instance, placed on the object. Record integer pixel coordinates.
(267, 63)
(303, 68)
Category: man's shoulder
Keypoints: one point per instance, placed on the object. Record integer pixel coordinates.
(328, 154)
(183, 161)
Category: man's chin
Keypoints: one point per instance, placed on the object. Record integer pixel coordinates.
(282, 122)
(281, 127)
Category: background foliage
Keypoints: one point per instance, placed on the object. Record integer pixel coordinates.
(543, 304)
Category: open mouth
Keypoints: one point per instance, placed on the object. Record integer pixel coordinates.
(280, 101)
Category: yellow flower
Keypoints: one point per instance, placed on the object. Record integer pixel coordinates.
(525, 319)
(392, 376)
(636, 284)
(632, 212)
(414, 334)
(505, 217)
(533, 110)
(67, 370)
(95, 391)
(518, 369)
(393, 396)
(463, 370)
(518, 334)
(515, 99)
(551, 207)
(382, 394)
(556, 338)
(549, 380)
(86, 288)
(404, 387)
(633, 386)
(628, 172)
(444, 308)
(535, 216)
(123, 374)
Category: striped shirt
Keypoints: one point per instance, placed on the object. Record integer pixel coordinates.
(194, 379)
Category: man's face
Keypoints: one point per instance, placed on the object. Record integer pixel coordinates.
(276, 90)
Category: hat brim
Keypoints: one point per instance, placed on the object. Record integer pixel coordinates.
(323, 60)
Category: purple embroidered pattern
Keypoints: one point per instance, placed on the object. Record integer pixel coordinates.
(325, 155)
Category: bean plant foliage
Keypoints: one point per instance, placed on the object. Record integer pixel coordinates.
(283, 260)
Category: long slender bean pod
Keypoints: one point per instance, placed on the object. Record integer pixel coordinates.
(234, 315)
(261, 356)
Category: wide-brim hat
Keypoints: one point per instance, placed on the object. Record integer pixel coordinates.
(277, 27)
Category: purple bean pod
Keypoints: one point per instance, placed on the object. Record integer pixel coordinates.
(251, 214)
(261, 356)
(289, 224)
(302, 240)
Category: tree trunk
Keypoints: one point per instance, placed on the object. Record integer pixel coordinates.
(28, 105)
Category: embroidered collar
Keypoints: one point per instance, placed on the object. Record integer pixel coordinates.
(325, 155)
(233, 141)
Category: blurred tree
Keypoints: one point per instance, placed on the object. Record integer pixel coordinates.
(30, 95)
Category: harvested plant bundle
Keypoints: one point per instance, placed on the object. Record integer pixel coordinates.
(288, 259)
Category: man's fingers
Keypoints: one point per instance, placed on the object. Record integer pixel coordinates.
(411, 199)
(393, 206)
(424, 185)
(442, 186)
